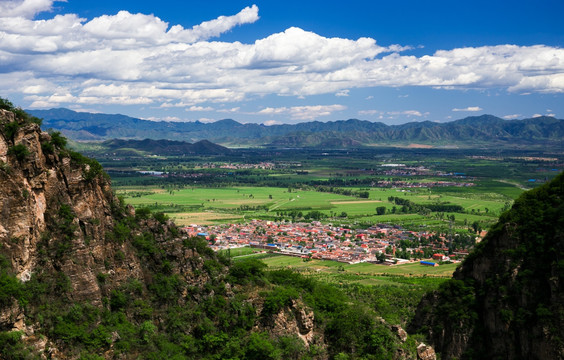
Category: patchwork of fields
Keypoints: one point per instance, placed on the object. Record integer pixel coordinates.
(205, 206)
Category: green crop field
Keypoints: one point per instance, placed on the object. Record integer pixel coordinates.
(242, 251)
(200, 192)
(411, 269)
(201, 205)
(362, 273)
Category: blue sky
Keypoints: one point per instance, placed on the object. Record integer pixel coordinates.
(285, 61)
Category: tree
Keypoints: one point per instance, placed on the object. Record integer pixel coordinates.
(58, 140)
(260, 347)
(364, 194)
(6, 104)
(380, 210)
(476, 227)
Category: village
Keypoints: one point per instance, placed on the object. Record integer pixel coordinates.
(382, 244)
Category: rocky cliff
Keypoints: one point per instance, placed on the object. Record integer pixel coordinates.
(49, 208)
(506, 301)
(67, 238)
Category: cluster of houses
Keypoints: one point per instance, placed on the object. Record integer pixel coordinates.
(315, 240)
(239, 166)
(414, 184)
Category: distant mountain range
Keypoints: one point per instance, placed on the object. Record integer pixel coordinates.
(163, 147)
(475, 131)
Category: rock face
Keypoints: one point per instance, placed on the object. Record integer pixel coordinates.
(506, 301)
(33, 189)
(58, 218)
(400, 332)
(296, 319)
(425, 352)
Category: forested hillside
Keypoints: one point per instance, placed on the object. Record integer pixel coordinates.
(506, 301)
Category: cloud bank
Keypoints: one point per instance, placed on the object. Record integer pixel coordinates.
(130, 58)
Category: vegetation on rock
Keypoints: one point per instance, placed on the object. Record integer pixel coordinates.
(506, 300)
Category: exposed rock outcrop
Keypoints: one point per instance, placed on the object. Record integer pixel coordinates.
(36, 184)
(425, 352)
(296, 319)
(400, 332)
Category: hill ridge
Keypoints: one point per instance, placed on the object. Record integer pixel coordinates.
(482, 131)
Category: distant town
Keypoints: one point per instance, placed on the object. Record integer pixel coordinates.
(384, 244)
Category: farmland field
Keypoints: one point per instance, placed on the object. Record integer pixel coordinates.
(411, 269)
(362, 273)
(201, 205)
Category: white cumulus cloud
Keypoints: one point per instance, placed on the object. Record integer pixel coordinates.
(128, 58)
(512, 116)
(407, 113)
(25, 8)
(199, 108)
(272, 122)
(469, 109)
(369, 112)
(303, 112)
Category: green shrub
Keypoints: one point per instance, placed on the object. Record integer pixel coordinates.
(121, 232)
(146, 245)
(166, 288)
(5, 167)
(355, 330)
(277, 299)
(101, 277)
(47, 148)
(58, 140)
(118, 300)
(6, 104)
(20, 151)
(200, 245)
(67, 227)
(259, 347)
(142, 213)
(212, 267)
(247, 271)
(94, 167)
(119, 255)
(160, 217)
(10, 129)
(88, 356)
(10, 286)
(12, 346)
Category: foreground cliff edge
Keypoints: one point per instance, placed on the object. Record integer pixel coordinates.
(506, 301)
(84, 277)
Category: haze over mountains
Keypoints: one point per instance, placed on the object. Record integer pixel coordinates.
(481, 131)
